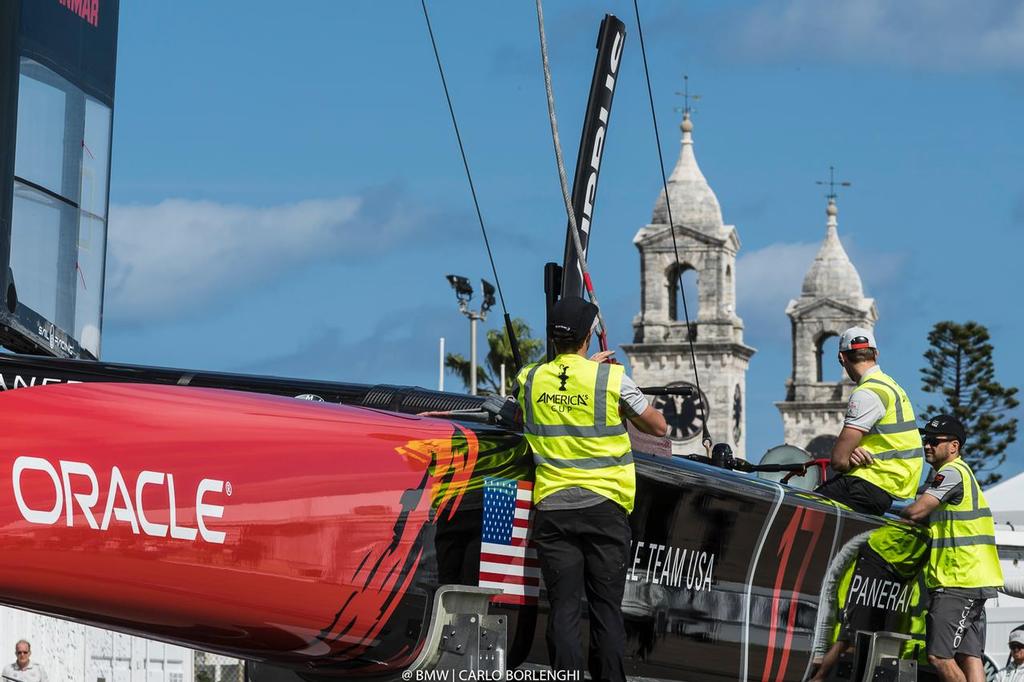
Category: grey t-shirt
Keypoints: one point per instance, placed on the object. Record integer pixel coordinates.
(571, 498)
(947, 486)
(631, 398)
(865, 407)
(633, 404)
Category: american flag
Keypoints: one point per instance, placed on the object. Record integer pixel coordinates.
(508, 561)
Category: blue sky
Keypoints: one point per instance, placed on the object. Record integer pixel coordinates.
(287, 193)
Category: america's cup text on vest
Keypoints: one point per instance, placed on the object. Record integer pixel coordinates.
(563, 402)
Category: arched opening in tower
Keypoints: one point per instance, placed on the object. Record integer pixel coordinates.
(827, 351)
(821, 446)
(690, 280)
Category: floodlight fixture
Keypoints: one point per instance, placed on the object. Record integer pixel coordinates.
(461, 285)
(488, 301)
(464, 292)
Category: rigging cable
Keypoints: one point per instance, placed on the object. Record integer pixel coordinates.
(602, 333)
(513, 343)
(706, 435)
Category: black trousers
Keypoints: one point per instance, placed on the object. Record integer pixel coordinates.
(585, 550)
(857, 494)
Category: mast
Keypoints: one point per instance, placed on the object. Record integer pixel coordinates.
(568, 280)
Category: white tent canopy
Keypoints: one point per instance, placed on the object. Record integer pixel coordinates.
(1006, 612)
(1007, 501)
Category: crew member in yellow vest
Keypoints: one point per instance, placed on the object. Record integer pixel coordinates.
(963, 565)
(878, 453)
(584, 488)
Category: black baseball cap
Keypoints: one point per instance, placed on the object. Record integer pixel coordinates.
(571, 319)
(945, 425)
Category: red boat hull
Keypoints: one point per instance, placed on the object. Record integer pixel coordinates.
(263, 527)
(313, 536)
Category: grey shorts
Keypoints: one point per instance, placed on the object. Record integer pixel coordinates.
(956, 625)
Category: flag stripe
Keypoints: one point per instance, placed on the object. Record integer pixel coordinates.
(505, 569)
(517, 550)
(508, 579)
(525, 590)
(528, 561)
(513, 599)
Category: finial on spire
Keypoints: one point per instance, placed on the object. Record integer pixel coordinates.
(687, 109)
(685, 94)
(832, 274)
(832, 184)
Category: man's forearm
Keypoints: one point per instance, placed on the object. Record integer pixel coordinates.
(651, 422)
(921, 508)
(840, 464)
(843, 449)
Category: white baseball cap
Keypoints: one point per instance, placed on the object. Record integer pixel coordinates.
(856, 338)
(1017, 637)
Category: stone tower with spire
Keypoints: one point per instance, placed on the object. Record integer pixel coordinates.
(660, 354)
(831, 300)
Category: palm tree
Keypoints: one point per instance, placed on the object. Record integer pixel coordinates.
(488, 374)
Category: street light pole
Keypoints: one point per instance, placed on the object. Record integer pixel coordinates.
(440, 367)
(472, 354)
(464, 293)
(474, 317)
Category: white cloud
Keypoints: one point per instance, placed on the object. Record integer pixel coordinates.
(401, 347)
(181, 255)
(952, 35)
(766, 280)
(769, 278)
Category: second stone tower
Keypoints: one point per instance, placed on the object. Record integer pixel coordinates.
(660, 352)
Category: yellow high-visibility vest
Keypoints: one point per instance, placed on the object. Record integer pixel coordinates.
(963, 552)
(903, 548)
(894, 442)
(572, 422)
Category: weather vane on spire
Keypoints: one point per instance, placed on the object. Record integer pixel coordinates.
(685, 94)
(832, 184)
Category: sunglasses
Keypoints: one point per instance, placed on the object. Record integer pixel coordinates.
(21, 652)
(935, 440)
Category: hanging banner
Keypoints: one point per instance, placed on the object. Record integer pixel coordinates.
(75, 38)
(611, 38)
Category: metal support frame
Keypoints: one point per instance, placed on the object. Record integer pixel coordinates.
(461, 634)
(876, 657)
